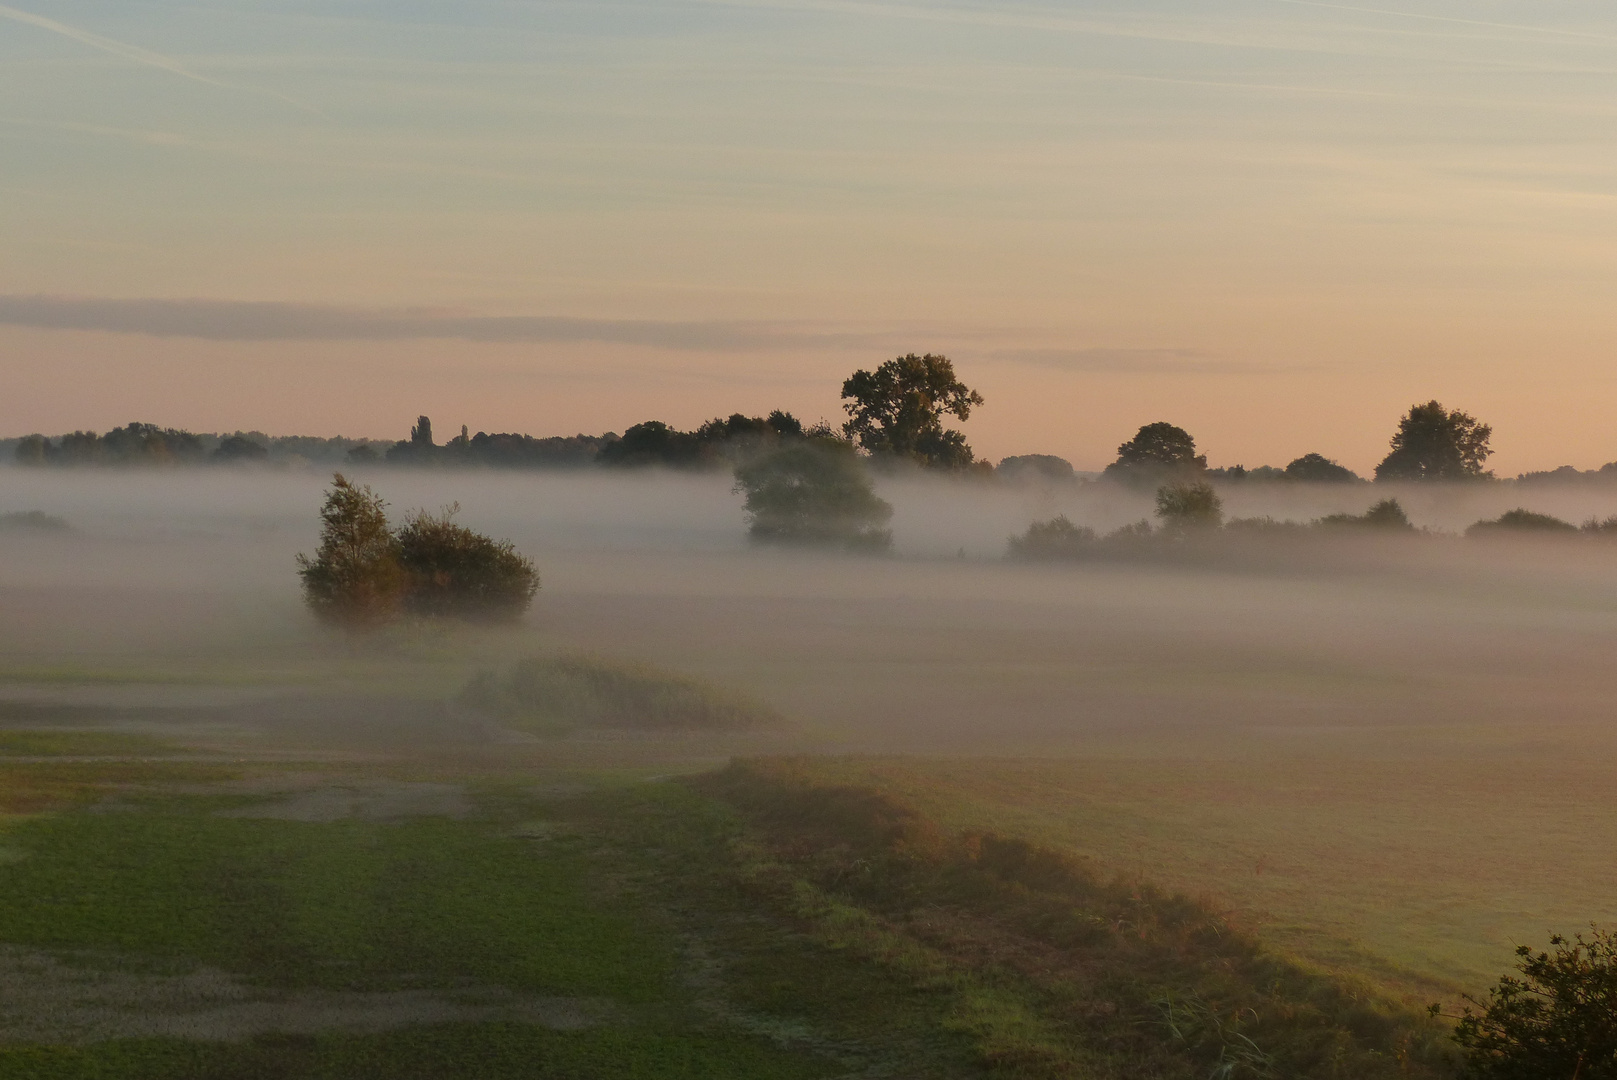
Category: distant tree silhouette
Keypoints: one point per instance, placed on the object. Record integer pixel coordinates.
(354, 579)
(1158, 452)
(237, 448)
(1319, 469)
(897, 411)
(1432, 443)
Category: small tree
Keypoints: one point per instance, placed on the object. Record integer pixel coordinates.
(1187, 507)
(1432, 443)
(814, 492)
(354, 579)
(897, 410)
(1557, 1021)
(457, 573)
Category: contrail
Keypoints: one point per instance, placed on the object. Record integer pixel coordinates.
(135, 53)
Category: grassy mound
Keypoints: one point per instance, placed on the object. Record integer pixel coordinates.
(556, 695)
(1051, 971)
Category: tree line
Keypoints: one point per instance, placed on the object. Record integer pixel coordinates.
(900, 414)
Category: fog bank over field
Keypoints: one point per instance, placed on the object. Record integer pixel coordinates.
(922, 651)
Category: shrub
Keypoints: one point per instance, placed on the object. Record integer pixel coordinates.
(1386, 514)
(455, 572)
(354, 579)
(1057, 538)
(814, 492)
(1186, 506)
(558, 694)
(1520, 520)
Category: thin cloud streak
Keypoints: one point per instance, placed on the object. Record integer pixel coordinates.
(137, 54)
(223, 320)
(1103, 360)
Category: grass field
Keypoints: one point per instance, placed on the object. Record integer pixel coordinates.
(190, 919)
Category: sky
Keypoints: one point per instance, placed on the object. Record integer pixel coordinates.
(1276, 223)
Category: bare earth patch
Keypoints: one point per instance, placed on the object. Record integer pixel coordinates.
(43, 1000)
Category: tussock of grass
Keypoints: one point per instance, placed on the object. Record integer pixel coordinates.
(555, 695)
(1050, 970)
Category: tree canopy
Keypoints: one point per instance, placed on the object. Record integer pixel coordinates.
(897, 411)
(1157, 452)
(814, 491)
(455, 572)
(1319, 469)
(1432, 443)
(354, 578)
(1558, 1018)
(1187, 507)
(365, 574)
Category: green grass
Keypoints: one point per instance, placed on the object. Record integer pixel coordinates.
(348, 905)
(81, 743)
(436, 1052)
(759, 922)
(1047, 969)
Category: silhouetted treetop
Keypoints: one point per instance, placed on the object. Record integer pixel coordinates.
(897, 411)
(1157, 452)
(1319, 469)
(1432, 443)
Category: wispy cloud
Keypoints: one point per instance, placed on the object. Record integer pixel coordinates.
(1130, 361)
(222, 320)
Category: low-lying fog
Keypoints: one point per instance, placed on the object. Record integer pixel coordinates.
(942, 646)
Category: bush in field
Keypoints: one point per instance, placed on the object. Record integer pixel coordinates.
(814, 492)
(1057, 538)
(365, 574)
(457, 573)
(1189, 507)
(558, 694)
(1521, 521)
(1606, 527)
(354, 579)
(1386, 514)
(1557, 1019)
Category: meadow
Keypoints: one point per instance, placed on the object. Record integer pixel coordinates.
(234, 845)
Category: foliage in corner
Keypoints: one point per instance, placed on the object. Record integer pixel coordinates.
(1557, 1019)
